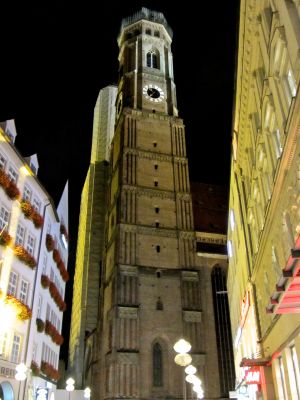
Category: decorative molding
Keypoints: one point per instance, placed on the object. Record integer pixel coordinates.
(128, 270)
(192, 316)
(127, 312)
(207, 237)
(145, 230)
(128, 358)
(190, 276)
(187, 235)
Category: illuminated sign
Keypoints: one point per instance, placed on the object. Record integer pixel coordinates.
(252, 376)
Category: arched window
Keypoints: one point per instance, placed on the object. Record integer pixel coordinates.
(152, 59)
(157, 365)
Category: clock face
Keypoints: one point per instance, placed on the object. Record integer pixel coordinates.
(153, 93)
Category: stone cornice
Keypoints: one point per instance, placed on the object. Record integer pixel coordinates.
(151, 155)
(141, 191)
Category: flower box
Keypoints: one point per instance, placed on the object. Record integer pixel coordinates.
(30, 213)
(45, 281)
(23, 255)
(5, 239)
(49, 242)
(40, 325)
(35, 369)
(9, 186)
(64, 232)
(23, 311)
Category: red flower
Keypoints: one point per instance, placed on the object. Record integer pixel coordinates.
(27, 208)
(5, 239)
(37, 219)
(49, 242)
(45, 281)
(24, 256)
(12, 191)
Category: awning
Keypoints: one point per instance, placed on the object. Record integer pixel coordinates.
(255, 362)
(286, 297)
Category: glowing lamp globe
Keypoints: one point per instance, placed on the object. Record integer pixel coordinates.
(189, 378)
(21, 372)
(70, 384)
(183, 359)
(87, 393)
(182, 346)
(190, 370)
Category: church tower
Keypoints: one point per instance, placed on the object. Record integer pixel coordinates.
(150, 287)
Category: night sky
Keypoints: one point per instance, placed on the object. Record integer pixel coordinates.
(57, 55)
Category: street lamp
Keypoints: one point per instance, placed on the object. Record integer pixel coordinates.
(70, 386)
(21, 372)
(87, 393)
(182, 347)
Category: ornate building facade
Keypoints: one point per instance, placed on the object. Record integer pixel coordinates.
(33, 274)
(154, 288)
(263, 229)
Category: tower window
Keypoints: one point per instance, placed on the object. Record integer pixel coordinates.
(158, 274)
(155, 166)
(137, 32)
(157, 210)
(155, 183)
(157, 249)
(157, 365)
(154, 144)
(159, 304)
(156, 33)
(128, 35)
(152, 59)
(157, 224)
(148, 32)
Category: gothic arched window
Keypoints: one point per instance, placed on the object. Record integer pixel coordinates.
(157, 365)
(152, 59)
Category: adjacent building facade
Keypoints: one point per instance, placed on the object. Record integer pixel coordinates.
(33, 272)
(264, 217)
(154, 288)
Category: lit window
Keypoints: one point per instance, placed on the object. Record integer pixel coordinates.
(291, 83)
(39, 308)
(3, 344)
(2, 162)
(4, 215)
(20, 235)
(23, 291)
(229, 248)
(231, 220)
(295, 371)
(27, 193)
(36, 204)
(277, 143)
(12, 283)
(15, 350)
(30, 244)
(12, 174)
(152, 59)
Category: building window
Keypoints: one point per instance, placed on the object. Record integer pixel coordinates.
(39, 308)
(36, 204)
(2, 162)
(295, 371)
(12, 283)
(159, 304)
(157, 224)
(231, 220)
(3, 344)
(148, 32)
(27, 193)
(12, 174)
(20, 235)
(291, 83)
(157, 210)
(156, 34)
(229, 248)
(280, 378)
(4, 216)
(157, 249)
(154, 144)
(30, 244)
(155, 166)
(155, 183)
(157, 365)
(23, 291)
(152, 60)
(15, 350)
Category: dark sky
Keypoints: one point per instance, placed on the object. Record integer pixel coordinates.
(57, 55)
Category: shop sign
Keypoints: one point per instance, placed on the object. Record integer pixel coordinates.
(252, 376)
(8, 372)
